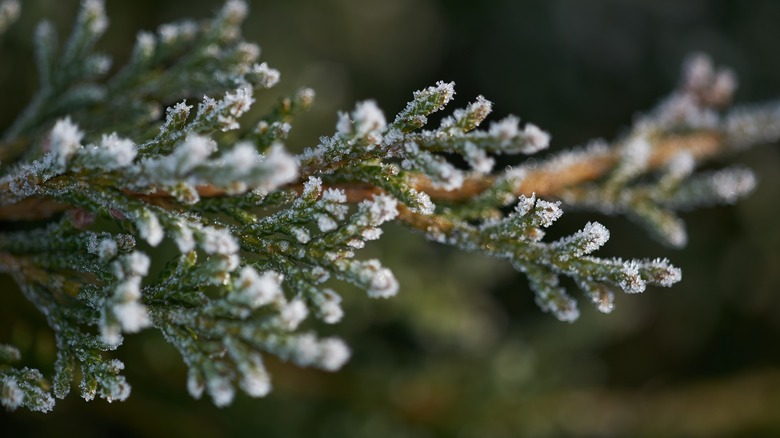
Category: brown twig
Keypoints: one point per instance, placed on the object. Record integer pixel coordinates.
(548, 179)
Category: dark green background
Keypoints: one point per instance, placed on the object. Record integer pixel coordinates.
(463, 351)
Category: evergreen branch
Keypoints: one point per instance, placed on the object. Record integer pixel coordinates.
(259, 232)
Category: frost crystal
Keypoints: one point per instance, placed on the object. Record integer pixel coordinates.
(326, 223)
(506, 129)
(258, 290)
(293, 313)
(547, 212)
(368, 118)
(334, 195)
(383, 208)
(11, 396)
(300, 234)
(731, 186)
(282, 166)
(268, 76)
(334, 353)
(184, 237)
(256, 382)
(64, 141)
(218, 241)
(195, 384)
(631, 281)
(105, 248)
(537, 139)
(220, 390)
(9, 12)
(241, 158)
(190, 153)
(331, 310)
(149, 228)
(382, 282)
(132, 316)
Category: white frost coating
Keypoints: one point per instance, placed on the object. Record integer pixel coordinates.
(255, 381)
(371, 233)
(283, 167)
(591, 238)
(634, 157)
(344, 124)
(381, 281)
(381, 209)
(631, 281)
(220, 390)
(9, 12)
(330, 309)
(241, 158)
(681, 166)
(129, 312)
(536, 139)
(248, 52)
(334, 353)
(193, 151)
(128, 289)
(732, 184)
(168, 33)
(11, 396)
(236, 103)
(306, 350)
(217, 241)
(525, 204)
(226, 263)
(547, 212)
(665, 275)
(368, 118)
(184, 237)
(145, 44)
(698, 71)
(64, 141)
(132, 316)
(96, 13)
(195, 385)
(300, 234)
(424, 204)
(478, 159)
(119, 152)
(235, 10)
(335, 195)
(149, 228)
(480, 109)
(445, 175)
(135, 264)
(105, 248)
(505, 129)
(293, 313)
(258, 290)
(445, 89)
(568, 312)
(113, 152)
(268, 76)
(326, 223)
(356, 243)
(312, 187)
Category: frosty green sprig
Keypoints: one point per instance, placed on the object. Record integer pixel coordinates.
(266, 238)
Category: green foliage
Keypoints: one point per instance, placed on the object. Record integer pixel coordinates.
(262, 237)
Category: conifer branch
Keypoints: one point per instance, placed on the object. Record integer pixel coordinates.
(263, 236)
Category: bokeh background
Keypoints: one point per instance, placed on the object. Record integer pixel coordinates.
(463, 351)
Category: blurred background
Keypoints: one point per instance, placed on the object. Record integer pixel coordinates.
(463, 351)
